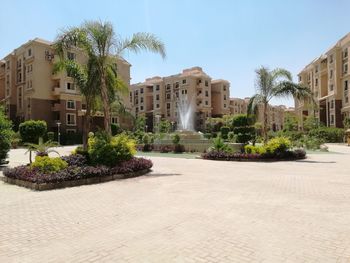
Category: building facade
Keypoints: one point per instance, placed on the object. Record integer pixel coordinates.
(163, 97)
(328, 78)
(275, 113)
(29, 89)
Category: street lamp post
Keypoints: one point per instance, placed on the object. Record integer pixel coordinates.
(58, 132)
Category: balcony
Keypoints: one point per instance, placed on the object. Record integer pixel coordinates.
(56, 107)
(57, 91)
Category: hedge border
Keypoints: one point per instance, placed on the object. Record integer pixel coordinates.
(73, 183)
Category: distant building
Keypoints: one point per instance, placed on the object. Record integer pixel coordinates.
(29, 90)
(328, 78)
(161, 96)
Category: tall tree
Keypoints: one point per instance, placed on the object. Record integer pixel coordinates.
(271, 84)
(101, 44)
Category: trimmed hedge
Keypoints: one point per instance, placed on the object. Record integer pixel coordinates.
(32, 130)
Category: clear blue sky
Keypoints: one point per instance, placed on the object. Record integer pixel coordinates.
(228, 39)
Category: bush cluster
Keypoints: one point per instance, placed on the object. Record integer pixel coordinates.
(6, 134)
(74, 172)
(32, 130)
(109, 151)
(46, 164)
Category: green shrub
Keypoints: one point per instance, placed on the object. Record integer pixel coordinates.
(115, 127)
(46, 164)
(50, 136)
(220, 145)
(5, 136)
(108, 150)
(207, 135)
(15, 140)
(328, 134)
(231, 136)
(243, 129)
(146, 140)
(176, 139)
(251, 149)
(278, 145)
(224, 132)
(32, 130)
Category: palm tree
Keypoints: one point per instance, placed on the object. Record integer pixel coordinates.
(102, 46)
(41, 149)
(270, 84)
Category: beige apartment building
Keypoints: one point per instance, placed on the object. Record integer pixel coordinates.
(29, 90)
(328, 78)
(275, 113)
(163, 97)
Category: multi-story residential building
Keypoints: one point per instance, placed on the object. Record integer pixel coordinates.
(238, 106)
(29, 89)
(163, 97)
(328, 78)
(275, 113)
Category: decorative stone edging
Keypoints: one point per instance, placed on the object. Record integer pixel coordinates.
(72, 183)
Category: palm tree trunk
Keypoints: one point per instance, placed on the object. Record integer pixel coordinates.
(86, 126)
(265, 123)
(106, 106)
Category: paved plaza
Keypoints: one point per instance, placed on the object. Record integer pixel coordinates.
(187, 210)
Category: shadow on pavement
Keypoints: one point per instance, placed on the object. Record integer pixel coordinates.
(161, 174)
(309, 161)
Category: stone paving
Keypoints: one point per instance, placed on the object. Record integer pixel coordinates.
(187, 211)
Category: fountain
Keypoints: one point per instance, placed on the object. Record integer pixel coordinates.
(192, 140)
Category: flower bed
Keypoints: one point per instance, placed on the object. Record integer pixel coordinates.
(78, 172)
(289, 155)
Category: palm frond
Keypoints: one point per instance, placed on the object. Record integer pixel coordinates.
(141, 41)
(288, 88)
(280, 73)
(253, 105)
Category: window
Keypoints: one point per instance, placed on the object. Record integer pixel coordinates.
(224, 88)
(345, 85)
(29, 52)
(184, 81)
(157, 87)
(157, 97)
(345, 68)
(224, 97)
(141, 90)
(316, 82)
(130, 96)
(7, 64)
(346, 99)
(141, 100)
(70, 86)
(331, 59)
(114, 119)
(157, 106)
(168, 86)
(141, 108)
(71, 131)
(168, 105)
(206, 102)
(207, 93)
(331, 74)
(316, 69)
(70, 55)
(176, 85)
(345, 53)
(331, 87)
(168, 96)
(70, 105)
(332, 104)
(137, 101)
(206, 83)
(71, 119)
(20, 99)
(332, 119)
(224, 105)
